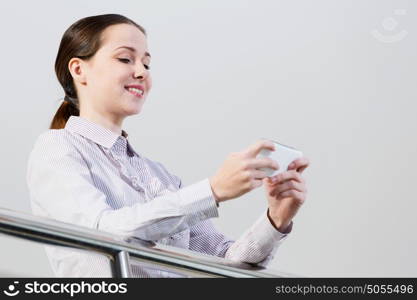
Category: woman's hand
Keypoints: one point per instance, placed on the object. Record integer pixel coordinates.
(239, 175)
(286, 193)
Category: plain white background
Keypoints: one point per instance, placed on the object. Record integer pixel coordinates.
(311, 74)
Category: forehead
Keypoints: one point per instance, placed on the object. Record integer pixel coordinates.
(118, 35)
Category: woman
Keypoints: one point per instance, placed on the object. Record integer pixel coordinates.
(84, 170)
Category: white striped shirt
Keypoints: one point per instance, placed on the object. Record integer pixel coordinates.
(87, 175)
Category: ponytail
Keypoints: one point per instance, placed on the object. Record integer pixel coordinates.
(66, 110)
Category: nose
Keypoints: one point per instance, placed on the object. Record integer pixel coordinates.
(141, 73)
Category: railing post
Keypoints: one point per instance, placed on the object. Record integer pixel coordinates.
(122, 268)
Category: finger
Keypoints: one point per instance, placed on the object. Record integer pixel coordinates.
(299, 164)
(289, 185)
(263, 162)
(284, 176)
(258, 174)
(267, 181)
(256, 183)
(299, 196)
(254, 149)
(301, 169)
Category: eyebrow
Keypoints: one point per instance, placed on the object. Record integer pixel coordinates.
(132, 49)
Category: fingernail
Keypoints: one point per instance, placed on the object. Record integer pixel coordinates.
(291, 165)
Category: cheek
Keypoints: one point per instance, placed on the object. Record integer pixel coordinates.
(103, 81)
(113, 82)
(111, 72)
(149, 82)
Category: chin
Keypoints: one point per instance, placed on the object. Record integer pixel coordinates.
(133, 111)
(129, 107)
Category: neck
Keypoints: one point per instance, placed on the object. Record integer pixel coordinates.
(112, 123)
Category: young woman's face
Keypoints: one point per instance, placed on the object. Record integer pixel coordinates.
(121, 62)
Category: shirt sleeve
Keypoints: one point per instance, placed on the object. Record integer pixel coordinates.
(258, 245)
(61, 187)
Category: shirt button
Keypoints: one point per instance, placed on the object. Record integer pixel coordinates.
(135, 183)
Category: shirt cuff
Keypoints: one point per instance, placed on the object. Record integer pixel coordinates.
(266, 232)
(198, 200)
(258, 244)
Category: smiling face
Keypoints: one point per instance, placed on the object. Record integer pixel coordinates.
(111, 83)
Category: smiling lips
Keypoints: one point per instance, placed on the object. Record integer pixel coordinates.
(135, 89)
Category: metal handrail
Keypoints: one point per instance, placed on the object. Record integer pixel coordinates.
(121, 250)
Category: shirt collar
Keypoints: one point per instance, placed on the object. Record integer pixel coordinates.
(95, 132)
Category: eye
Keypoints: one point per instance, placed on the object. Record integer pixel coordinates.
(124, 60)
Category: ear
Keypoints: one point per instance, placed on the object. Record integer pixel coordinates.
(78, 70)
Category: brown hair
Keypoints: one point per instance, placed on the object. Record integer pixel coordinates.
(82, 39)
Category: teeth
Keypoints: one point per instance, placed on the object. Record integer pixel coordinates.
(136, 90)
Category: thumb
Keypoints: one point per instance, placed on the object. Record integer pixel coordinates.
(254, 149)
(266, 181)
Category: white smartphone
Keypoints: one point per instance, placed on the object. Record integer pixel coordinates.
(283, 155)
